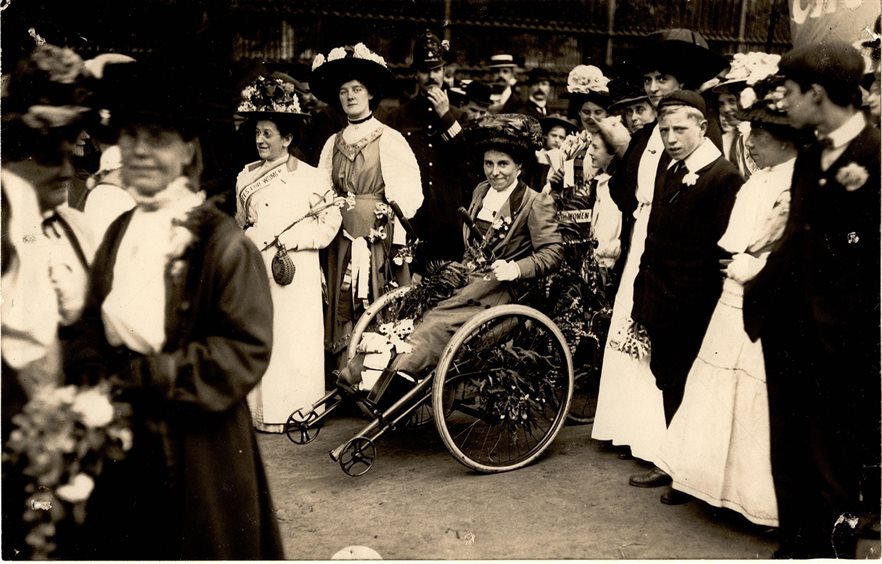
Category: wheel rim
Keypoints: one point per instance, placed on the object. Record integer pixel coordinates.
(586, 387)
(298, 427)
(358, 456)
(505, 392)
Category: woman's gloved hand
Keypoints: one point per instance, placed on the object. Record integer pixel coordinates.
(505, 270)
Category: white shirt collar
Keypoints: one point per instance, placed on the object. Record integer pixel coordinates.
(705, 154)
(494, 200)
(852, 127)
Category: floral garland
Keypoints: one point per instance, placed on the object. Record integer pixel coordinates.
(60, 443)
(584, 79)
(358, 51)
(270, 95)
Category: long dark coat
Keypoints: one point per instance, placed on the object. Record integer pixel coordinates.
(815, 306)
(193, 485)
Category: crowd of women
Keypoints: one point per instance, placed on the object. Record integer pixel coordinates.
(210, 326)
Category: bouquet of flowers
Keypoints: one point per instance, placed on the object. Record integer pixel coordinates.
(573, 144)
(60, 442)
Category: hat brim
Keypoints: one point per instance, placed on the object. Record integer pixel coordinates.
(624, 102)
(734, 86)
(326, 80)
(691, 64)
(429, 65)
(763, 115)
(273, 115)
(553, 121)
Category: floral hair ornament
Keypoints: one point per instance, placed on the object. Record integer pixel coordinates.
(585, 79)
(270, 95)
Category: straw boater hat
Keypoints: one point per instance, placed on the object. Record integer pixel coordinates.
(350, 62)
(516, 134)
(272, 98)
(502, 60)
(586, 83)
(682, 53)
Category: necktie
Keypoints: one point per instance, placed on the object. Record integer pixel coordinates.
(826, 143)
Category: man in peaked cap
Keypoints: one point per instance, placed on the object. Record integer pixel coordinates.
(816, 308)
(432, 128)
(679, 281)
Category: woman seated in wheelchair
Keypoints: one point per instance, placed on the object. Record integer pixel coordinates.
(511, 234)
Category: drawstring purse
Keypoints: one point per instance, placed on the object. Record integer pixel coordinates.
(282, 266)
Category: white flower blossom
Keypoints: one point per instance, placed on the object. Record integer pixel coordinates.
(587, 78)
(690, 178)
(318, 61)
(336, 53)
(93, 407)
(77, 490)
(747, 98)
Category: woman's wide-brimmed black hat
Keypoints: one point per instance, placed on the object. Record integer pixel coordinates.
(351, 62)
(518, 134)
(682, 53)
(272, 98)
(174, 97)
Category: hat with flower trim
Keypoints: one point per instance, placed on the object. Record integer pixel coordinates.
(746, 69)
(586, 83)
(517, 134)
(273, 97)
(350, 62)
(47, 90)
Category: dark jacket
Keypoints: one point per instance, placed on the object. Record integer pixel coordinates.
(193, 485)
(442, 155)
(679, 273)
(826, 266)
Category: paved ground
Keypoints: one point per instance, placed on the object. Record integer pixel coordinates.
(417, 502)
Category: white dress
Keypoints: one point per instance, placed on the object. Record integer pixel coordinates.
(295, 377)
(629, 406)
(717, 447)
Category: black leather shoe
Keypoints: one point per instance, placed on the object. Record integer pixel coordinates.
(625, 454)
(675, 497)
(655, 478)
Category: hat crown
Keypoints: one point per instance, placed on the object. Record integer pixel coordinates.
(517, 130)
(584, 79)
(478, 92)
(502, 60)
(428, 49)
(684, 98)
(270, 95)
(680, 34)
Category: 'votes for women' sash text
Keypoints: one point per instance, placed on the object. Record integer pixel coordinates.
(265, 180)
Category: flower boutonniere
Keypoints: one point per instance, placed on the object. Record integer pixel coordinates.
(690, 178)
(852, 176)
(184, 226)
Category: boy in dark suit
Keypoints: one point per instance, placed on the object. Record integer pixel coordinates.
(816, 308)
(679, 281)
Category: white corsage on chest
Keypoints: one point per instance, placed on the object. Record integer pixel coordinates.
(690, 178)
(852, 176)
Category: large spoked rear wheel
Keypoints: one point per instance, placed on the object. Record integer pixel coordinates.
(502, 388)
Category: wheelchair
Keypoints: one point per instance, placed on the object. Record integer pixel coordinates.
(503, 387)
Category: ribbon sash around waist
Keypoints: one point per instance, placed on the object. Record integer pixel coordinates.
(265, 180)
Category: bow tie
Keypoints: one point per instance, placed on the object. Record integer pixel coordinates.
(826, 143)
